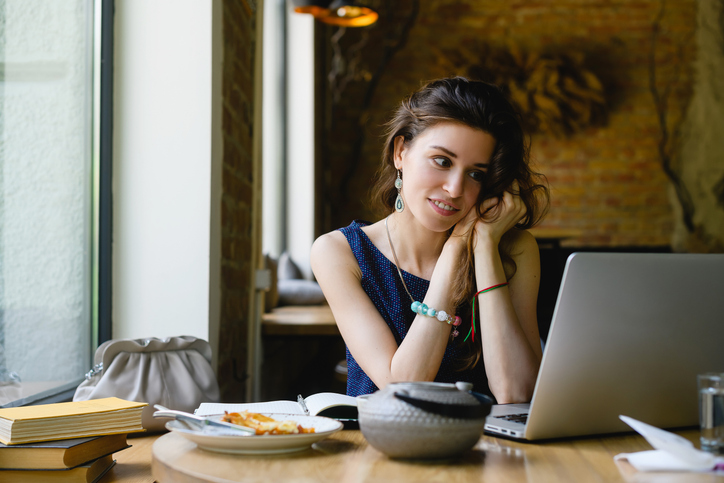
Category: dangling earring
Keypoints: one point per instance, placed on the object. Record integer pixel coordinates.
(399, 203)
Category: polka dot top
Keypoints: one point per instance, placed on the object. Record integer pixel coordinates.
(382, 284)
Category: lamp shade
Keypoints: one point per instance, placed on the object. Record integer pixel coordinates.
(312, 3)
(343, 13)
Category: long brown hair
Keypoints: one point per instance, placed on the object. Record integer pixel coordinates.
(483, 106)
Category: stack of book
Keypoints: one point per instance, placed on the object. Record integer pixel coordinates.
(65, 442)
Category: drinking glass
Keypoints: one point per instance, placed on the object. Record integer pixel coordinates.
(711, 411)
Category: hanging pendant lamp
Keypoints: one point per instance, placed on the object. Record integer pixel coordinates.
(342, 13)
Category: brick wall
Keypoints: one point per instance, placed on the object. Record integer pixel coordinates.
(237, 178)
(606, 181)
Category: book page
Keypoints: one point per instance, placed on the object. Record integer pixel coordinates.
(284, 407)
(75, 408)
(325, 400)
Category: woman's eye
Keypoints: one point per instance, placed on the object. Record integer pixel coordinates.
(444, 162)
(478, 176)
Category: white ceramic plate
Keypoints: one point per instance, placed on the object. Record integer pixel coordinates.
(229, 441)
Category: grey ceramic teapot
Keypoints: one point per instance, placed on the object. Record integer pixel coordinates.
(423, 419)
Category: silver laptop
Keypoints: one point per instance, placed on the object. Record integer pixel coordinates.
(629, 334)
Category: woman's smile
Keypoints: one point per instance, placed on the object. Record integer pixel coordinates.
(443, 208)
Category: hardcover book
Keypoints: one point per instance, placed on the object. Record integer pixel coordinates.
(76, 419)
(63, 454)
(90, 472)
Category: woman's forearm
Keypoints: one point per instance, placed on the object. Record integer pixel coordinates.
(511, 361)
(420, 354)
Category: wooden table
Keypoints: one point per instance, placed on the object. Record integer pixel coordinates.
(299, 320)
(133, 465)
(346, 457)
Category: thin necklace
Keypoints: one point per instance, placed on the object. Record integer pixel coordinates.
(419, 307)
(397, 263)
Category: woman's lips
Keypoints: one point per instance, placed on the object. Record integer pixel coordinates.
(442, 208)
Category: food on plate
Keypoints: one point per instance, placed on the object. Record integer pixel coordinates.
(264, 424)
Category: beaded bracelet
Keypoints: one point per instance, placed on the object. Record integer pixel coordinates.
(442, 316)
(475, 297)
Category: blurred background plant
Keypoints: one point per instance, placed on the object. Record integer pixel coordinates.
(555, 93)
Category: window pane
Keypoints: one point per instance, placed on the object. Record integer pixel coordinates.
(45, 193)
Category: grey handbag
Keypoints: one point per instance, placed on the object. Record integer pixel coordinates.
(174, 372)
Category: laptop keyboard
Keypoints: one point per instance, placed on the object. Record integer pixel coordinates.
(517, 418)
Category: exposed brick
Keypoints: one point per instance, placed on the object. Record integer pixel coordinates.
(231, 278)
(237, 86)
(617, 164)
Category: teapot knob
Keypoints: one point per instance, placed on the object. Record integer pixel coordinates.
(464, 386)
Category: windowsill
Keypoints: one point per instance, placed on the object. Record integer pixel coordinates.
(30, 393)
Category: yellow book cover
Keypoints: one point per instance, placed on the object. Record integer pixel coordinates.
(57, 410)
(75, 419)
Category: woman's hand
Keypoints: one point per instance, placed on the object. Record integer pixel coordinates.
(500, 214)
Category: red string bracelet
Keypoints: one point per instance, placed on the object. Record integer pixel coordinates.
(475, 297)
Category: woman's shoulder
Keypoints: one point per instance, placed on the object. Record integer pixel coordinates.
(359, 239)
(354, 228)
(337, 242)
(332, 253)
(334, 241)
(361, 232)
(521, 241)
(522, 248)
(519, 251)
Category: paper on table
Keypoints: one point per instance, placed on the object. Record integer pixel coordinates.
(671, 451)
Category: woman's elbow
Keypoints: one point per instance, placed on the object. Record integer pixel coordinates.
(404, 374)
(513, 393)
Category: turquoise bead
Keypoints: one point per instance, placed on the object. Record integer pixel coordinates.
(414, 306)
(422, 309)
(431, 312)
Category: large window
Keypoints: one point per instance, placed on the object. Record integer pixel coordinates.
(50, 194)
(288, 133)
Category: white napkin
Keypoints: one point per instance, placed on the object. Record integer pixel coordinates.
(671, 452)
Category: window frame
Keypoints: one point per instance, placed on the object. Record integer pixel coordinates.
(102, 202)
(103, 216)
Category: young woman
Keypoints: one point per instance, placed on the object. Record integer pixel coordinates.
(444, 288)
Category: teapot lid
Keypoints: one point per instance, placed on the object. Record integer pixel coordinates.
(478, 407)
(462, 411)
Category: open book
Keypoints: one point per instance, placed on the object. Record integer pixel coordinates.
(328, 404)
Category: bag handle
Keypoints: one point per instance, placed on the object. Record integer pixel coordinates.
(111, 348)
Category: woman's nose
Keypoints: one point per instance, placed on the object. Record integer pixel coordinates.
(454, 185)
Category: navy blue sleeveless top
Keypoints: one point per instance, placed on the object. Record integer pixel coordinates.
(382, 284)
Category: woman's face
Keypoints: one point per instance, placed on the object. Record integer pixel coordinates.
(442, 172)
